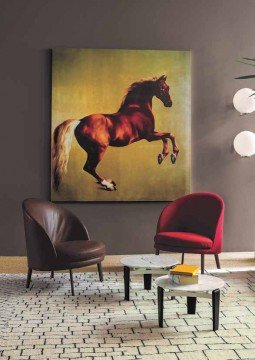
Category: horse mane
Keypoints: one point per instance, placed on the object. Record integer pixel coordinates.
(137, 90)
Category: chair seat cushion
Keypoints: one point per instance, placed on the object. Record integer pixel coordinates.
(77, 250)
(183, 240)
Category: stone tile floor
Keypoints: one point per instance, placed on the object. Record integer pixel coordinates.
(46, 322)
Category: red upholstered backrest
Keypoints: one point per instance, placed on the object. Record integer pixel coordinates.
(200, 213)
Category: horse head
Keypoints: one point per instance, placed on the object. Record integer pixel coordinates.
(162, 91)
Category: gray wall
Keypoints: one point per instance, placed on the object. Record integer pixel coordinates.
(217, 31)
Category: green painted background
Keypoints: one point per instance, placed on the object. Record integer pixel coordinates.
(87, 81)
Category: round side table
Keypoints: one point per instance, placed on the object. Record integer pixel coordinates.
(145, 265)
(207, 287)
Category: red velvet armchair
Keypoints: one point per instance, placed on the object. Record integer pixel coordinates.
(192, 224)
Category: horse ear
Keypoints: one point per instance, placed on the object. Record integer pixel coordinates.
(162, 77)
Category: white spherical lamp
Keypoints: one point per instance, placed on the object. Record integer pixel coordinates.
(244, 101)
(244, 143)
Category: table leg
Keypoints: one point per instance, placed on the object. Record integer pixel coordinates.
(160, 306)
(126, 281)
(147, 281)
(216, 308)
(191, 305)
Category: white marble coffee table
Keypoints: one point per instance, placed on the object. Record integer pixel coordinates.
(208, 287)
(145, 265)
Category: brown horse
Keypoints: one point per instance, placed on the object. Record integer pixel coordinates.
(133, 121)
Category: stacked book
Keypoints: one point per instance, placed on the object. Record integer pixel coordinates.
(184, 274)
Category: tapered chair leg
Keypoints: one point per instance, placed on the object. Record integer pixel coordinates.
(182, 258)
(202, 263)
(71, 280)
(217, 260)
(29, 274)
(100, 272)
(156, 252)
(52, 274)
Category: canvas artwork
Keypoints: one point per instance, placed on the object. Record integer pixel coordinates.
(120, 125)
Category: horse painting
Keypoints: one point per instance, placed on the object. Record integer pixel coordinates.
(134, 121)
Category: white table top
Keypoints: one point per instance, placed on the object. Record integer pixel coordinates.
(206, 283)
(149, 261)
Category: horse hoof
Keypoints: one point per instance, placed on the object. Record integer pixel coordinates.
(109, 188)
(160, 158)
(114, 185)
(107, 185)
(173, 158)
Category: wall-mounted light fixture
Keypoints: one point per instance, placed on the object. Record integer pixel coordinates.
(244, 143)
(244, 101)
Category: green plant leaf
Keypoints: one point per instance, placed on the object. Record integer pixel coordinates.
(251, 59)
(245, 77)
(243, 62)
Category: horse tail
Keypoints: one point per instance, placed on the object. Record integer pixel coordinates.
(61, 146)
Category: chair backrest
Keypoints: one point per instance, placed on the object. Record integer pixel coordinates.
(45, 225)
(57, 222)
(200, 213)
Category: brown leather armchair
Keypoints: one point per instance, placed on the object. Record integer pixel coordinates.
(57, 240)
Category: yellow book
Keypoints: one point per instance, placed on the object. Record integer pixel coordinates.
(184, 280)
(187, 270)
